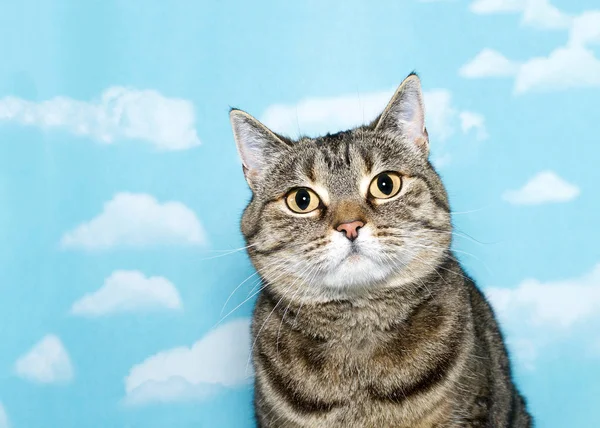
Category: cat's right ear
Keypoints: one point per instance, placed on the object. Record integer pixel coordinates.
(257, 145)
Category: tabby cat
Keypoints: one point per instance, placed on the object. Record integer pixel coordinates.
(365, 318)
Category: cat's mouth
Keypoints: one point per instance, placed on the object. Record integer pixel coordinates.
(354, 253)
(354, 250)
(355, 256)
(355, 268)
(360, 262)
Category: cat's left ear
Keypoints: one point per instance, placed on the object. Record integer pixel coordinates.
(404, 115)
(257, 145)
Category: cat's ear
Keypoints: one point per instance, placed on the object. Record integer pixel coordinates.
(257, 145)
(404, 115)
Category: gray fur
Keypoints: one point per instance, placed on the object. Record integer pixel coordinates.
(385, 331)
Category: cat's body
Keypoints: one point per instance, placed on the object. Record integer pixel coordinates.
(403, 358)
(366, 319)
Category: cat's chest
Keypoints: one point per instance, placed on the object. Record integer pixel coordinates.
(352, 375)
(348, 362)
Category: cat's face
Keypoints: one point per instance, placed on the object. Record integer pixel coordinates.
(344, 213)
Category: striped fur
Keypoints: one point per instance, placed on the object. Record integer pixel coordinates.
(399, 335)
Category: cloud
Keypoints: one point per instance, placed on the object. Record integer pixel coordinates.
(537, 315)
(586, 29)
(441, 114)
(541, 14)
(560, 304)
(568, 67)
(120, 113)
(485, 7)
(470, 121)
(47, 362)
(174, 389)
(489, 63)
(129, 291)
(316, 116)
(573, 65)
(137, 220)
(4, 423)
(218, 360)
(441, 161)
(544, 187)
(524, 350)
(534, 13)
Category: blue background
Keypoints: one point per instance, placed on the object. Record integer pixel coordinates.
(257, 56)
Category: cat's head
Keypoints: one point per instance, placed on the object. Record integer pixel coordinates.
(344, 213)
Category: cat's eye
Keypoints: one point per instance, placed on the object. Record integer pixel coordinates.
(385, 185)
(302, 200)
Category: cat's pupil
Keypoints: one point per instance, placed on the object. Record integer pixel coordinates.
(385, 184)
(302, 199)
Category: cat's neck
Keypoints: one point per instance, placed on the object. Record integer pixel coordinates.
(369, 312)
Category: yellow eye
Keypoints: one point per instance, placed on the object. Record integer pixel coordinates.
(385, 185)
(302, 200)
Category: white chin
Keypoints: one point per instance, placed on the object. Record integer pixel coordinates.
(355, 271)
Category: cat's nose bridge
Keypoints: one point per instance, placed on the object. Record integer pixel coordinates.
(349, 216)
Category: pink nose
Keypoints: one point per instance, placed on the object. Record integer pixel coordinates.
(350, 229)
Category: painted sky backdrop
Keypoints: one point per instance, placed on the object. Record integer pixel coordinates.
(121, 191)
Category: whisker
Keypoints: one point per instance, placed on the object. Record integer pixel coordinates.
(308, 287)
(287, 308)
(231, 249)
(271, 313)
(469, 211)
(428, 263)
(275, 264)
(248, 298)
(227, 253)
(234, 290)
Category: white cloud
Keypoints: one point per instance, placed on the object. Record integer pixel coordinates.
(174, 389)
(571, 66)
(137, 220)
(47, 362)
(4, 423)
(441, 114)
(313, 116)
(534, 13)
(219, 359)
(489, 63)
(586, 29)
(120, 113)
(544, 187)
(566, 67)
(316, 116)
(559, 304)
(129, 291)
(485, 7)
(441, 161)
(470, 121)
(524, 350)
(541, 14)
(537, 315)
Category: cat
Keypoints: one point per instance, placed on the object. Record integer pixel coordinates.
(365, 318)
